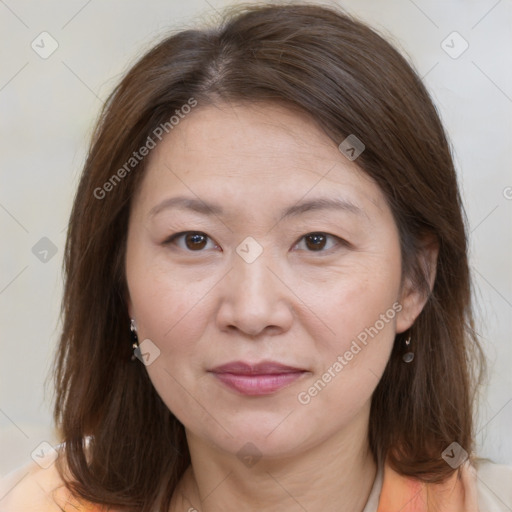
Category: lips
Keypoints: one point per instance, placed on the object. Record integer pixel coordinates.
(257, 378)
(263, 368)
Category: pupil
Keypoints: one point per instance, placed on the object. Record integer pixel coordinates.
(196, 240)
(318, 239)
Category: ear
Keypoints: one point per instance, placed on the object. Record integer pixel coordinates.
(413, 297)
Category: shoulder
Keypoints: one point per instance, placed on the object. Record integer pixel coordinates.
(494, 485)
(38, 487)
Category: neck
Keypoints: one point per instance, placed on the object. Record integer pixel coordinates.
(334, 476)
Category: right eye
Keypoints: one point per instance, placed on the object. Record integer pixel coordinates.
(194, 241)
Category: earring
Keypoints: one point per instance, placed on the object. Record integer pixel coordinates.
(408, 356)
(135, 338)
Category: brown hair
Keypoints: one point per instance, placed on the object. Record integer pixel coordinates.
(350, 81)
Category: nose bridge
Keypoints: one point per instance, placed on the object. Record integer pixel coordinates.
(251, 269)
(253, 297)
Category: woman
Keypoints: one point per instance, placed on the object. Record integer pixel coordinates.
(267, 300)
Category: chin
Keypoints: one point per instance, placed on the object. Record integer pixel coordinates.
(272, 435)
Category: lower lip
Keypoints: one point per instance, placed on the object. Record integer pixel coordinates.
(258, 384)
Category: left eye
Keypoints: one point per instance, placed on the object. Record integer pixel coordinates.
(317, 241)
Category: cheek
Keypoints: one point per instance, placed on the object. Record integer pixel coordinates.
(361, 307)
(353, 297)
(351, 362)
(163, 294)
(168, 309)
(170, 313)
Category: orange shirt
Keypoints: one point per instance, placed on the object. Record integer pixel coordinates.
(484, 488)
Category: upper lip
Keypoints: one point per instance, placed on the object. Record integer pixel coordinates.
(262, 368)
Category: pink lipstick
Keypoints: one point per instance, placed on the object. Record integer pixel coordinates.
(257, 379)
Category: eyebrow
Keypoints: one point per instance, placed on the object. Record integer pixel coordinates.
(206, 208)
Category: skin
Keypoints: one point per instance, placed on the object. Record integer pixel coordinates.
(205, 305)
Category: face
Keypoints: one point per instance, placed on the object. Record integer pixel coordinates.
(267, 301)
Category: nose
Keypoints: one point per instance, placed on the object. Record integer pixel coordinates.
(254, 298)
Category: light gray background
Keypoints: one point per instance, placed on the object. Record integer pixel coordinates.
(48, 108)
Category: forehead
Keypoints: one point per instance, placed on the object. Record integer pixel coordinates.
(256, 133)
(252, 152)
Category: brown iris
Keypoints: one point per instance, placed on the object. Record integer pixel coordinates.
(317, 239)
(197, 240)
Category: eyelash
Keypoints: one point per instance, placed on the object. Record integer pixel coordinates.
(339, 240)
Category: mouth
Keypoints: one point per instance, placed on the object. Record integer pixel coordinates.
(257, 379)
